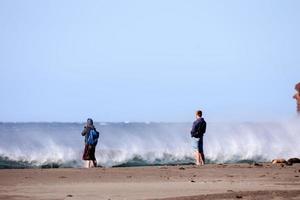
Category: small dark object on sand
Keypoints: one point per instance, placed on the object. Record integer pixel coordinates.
(181, 168)
(193, 181)
(257, 164)
(291, 161)
(62, 177)
(239, 196)
(69, 195)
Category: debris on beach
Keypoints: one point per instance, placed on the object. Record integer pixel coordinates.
(257, 164)
(279, 161)
(291, 161)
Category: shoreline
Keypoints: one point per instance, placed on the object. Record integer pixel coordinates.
(182, 182)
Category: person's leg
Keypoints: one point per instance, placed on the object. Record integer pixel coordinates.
(85, 156)
(95, 163)
(197, 157)
(93, 157)
(201, 161)
(195, 148)
(202, 157)
(91, 163)
(86, 164)
(200, 150)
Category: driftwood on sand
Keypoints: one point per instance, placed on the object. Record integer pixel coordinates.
(290, 161)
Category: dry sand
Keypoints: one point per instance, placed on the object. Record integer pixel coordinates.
(234, 181)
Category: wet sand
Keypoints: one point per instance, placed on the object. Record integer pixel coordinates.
(230, 181)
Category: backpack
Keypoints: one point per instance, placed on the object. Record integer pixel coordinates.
(93, 137)
(200, 129)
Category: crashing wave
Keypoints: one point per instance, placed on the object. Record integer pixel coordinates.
(24, 145)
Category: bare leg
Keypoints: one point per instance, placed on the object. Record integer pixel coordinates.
(86, 164)
(91, 164)
(197, 157)
(201, 158)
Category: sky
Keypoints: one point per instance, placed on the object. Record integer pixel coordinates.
(67, 60)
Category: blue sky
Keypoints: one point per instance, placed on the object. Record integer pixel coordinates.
(148, 60)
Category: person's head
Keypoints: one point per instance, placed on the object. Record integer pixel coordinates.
(198, 114)
(89, 122)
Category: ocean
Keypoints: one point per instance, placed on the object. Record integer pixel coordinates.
(54, 145)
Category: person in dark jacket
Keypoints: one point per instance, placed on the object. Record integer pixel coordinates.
(89, 150)
(197, 132)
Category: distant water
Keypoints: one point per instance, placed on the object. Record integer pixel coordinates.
(35, 145)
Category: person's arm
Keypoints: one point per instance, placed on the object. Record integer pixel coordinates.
(194, 128)
(85, 131)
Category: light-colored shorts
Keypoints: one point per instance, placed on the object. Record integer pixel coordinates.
(197, 144)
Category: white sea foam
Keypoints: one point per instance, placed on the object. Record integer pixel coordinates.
(150, 143)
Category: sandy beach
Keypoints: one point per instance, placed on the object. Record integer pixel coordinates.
(223, 181)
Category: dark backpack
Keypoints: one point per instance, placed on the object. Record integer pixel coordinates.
(201, 128)
(93, 137)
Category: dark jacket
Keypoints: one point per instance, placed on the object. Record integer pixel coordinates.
(197, 125)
